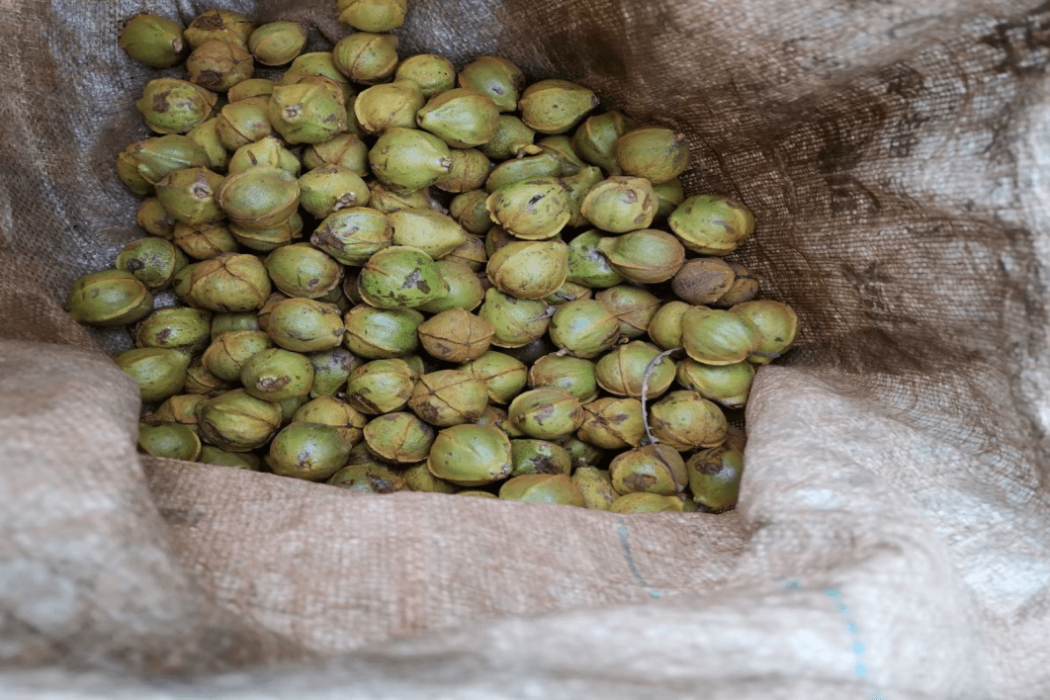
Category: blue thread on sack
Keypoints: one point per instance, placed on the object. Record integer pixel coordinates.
(626, 544)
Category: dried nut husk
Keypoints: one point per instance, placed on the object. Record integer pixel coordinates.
(665, 328)
(267, 152)
(703, 281)
(633, 306)
(622, 371)
(464, 288)
(347, 150)
(229, 353)
(225, 25)
(400, 277)
(229, 323)
(648, 256)
(596, 137)
(555, 106)
(277, 43)
(512, 138)
(468, 170)
(204, 243)
(229, 282)
(432, 232)
(173, 106)
(222, 458)
(529, 269)
(156, 158)
(380, 386)
(433, 74)
(685, 420)
(578, 186)
(556, 489)
(183, 409)
(381, 333)
(531, 209)
(328, 410)
(717, 337)
(244, 122)
(568, 292)
(573, 374)
(539, 457)
(714, 477)
(620, 204)
(515, 322)
(306, 112)
(613, 424)
(745, 288)
(159, 372)
(777, 325)
(547, 413)
(470, 455)
(710, 224)
(647, 503)
(399, 437)
(383, 107)
(332, 369)
(469, 211)
(596, 487)
(277, 374)
(266, 239)
(448, 397)
(310, 451)
(583, 454)
(109, 298)
(496, 77)
(155, 41)
(302, 270)
(259, 197)
(584, 328)
(189, 195)
(154, 220)
(409, 159)
(366, 57)
(305, 325)
(218, 65)
(152, 261)
(456, 335)
(652, 152)
(669, 195)
(655, 469)
(503, 376)
(545, 164)
(169, 440)
(587, 266)
(368, 479)
(418, 478)
(175, 328)
(202, 382)
(373, 15)
(353, 235)
(728, 385)
(461, 117)
(206, 135)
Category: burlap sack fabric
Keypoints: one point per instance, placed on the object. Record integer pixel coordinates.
(892, 536)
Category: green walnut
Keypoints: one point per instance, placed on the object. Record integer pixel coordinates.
(244, 122)
(374, 16)
(175, 328)
(434, 233)
(515, 322)
(712, 225)
(267, 152)
(229, 353)
(409, 159)
(573, 374)
(302, 270)
(622, 371)
(596, 487)
(461, 117)
(547, 413)
(433, 74)
(555, 106)
(777, 325)
(260, 197)
(471, 455)
(584, 328)
(745, 288)
(206, 242)
(317, 64)
(238, 422)
(390, 105)
(557, 489)
(173, 106)
(372, 478)
(418, 478)
(596, 138)
(159, 372)
(583, 454)
(155, 158)
(613, 423)
(587, 265)
(647, 503)
(277, 43)
(169, 440)
(529, 269)
(685, 420)
(152, 218)
(620, 204)
(578, 186)
(224, 25)
(652, 152)
(109, 298)
(728, 385)
(471, 253)
(229, 283)
(525, 167)
(400, 277)
(665, 327)
(717, 337)
(183, 409)
(306, 113)
(469, 169)
(155, 41)
(228, 323)
(347, 150)
(714, 477)
(448, 397)
(353, 235)
(649, 256)
(495, 77)
(389, 199)
(532, 209)
(277, 374)
(456, 335)
(332, 369)
(669, 196)
(567, 292)
(190, 195)
(221, 458)
(633, 306)
(366, 57)
(253, 87)
(380, 386)
(503, 376)
(399, 437)
(465, 290)
(206, 135)
(310, 451)
(539, 457)
(512, 138)
(655, 469)
(305, 325)
(218, 65)
(469, 211)
(270, 238)
(381, 333)
(200, 381)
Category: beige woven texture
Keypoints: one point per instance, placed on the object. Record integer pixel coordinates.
(897, 156)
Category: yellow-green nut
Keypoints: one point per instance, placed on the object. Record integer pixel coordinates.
(225, 25)
(388, 198)
(277, 374)
(128, 172)
(495, 77)
(152, 261)
(347, 150)
(400, 277)
(155, 41)
(685, 420)
(503, 376)
(267, 152)
(596, 487)
(477, 494)
(228, 323)
(620, 204)
(584, 328)
(183, 409)
(229, 353)
(468, 170)
(201, 382)
(259, 197)
(418, 478)
(366, 57)
(372, 478)
(169, 440)
(173, 106)
(409, 159)
(175, 328)
(669, 195)
(306, 113)
(305, 325)
(373, 15)
(655, 469)
(181, 282)
(253, 87)
(469, 211)
(470, 455)
(277, 43)
(461, 117)
(222, 458)
(471, 253)
(190, 196)
(228, 283)
(529, 269)
(399, 437)
(353, 235)
(777, 325)
(218, 65)
(710, 224)
(383, 107)
(587, 266)
(302, 270)
(567, 292)
(578, 186)
(109, 298)
(308, 67)
(649, 256)
(596, 137)
(512, 138)
(328, 410)
(652, 152)
(206, 135)
(433, 74)
(745, 288)
(547, 413)
(555, 106)
(561, 145)
(633, 306)
(154, 220)
(448, 397)
(714, 477)
(531, 209)
(665, 327)
(539, 457)
(464, 288)
(204, 243)
(728, 385)
(434, 233)
(613, 423)
(573, 374)
(289, 407)
(622, 371)
(583, 454)
(647, 503)
(237, 422)
(456, 335)
(244, 122)
(157, 157)
(515, 322)
(310, 451)
(545, 164)
(380, 386)
(381, 333)
(159, 372)
(557, 489)
(271, 238)
(717, 337)
(332, 369)
(703, 281)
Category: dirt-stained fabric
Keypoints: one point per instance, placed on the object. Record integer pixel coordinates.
(893, 534)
